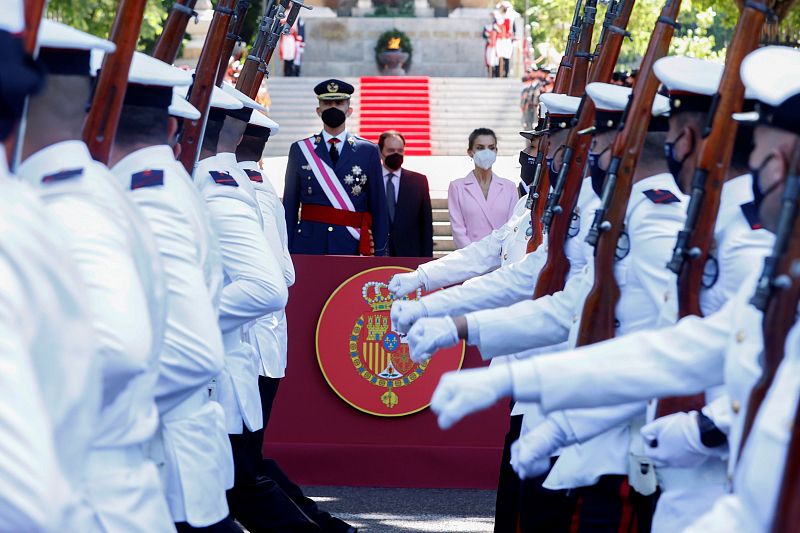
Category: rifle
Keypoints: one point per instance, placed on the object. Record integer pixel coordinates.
(34, 11)
(570, 79)
(169, 42)
(103, 117)
(233, 37)
(598, 320)
(561, 202)
(777, 293)
(787, 512)
(204, 77)
(269, 32)
(692, 248)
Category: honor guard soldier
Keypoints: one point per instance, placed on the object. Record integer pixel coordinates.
(50, 382)
(696, 353)
(599, 467)
(116, 256)
(268, 334)
(191, 446)
(333, 194)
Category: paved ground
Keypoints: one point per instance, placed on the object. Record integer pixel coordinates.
(389, 510)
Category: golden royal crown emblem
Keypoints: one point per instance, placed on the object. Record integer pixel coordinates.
(365, 362)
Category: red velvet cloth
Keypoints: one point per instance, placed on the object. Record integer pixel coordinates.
(320, 440)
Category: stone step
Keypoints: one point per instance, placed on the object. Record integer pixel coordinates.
(441, 215)
(439, 203)
(437, 255)
(442, 229)
(443, 244)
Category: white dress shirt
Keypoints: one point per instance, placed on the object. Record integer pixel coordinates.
(395, 180)
(342, 137)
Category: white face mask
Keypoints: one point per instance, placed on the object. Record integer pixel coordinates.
(484, 158)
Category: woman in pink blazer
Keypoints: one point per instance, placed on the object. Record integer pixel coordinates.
(482, 201)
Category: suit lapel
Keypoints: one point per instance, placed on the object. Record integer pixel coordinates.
(322, 151)
(346, 154)
(474, 189)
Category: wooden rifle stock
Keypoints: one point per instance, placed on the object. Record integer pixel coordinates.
(692, 248)
(169, 42)
(561, 202)
(250, 78)
(232, 37)
(103, 118)
(564, 72)
(204, 78)
(34, 11)
(583, 53)
(777, 294)
(787, 512)
(598, 320)
(565, 83)
(275, 27)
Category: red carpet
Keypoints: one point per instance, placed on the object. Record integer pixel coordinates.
(397, 102)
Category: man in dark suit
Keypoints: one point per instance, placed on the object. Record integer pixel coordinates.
(408, 201)
(333, 195)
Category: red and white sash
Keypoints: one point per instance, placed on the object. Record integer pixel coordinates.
(330, 184)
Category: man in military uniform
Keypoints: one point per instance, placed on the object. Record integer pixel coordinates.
(334, 195)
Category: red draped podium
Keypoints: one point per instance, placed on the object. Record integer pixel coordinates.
(320, 440)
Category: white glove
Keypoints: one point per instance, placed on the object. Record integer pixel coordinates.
(428, 335)
(530, 455)
(402, 284)
(677, 439)
(464, 392)
(405, 313)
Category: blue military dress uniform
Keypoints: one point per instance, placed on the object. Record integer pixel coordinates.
(358, 169)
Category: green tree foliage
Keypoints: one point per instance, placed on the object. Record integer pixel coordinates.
(97, 16)
(706, 27)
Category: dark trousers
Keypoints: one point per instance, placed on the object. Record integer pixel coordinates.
(226, 525)
(290, 69)
(612, 506)
(524, 505)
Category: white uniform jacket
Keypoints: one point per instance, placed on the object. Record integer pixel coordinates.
(110, 244)
(45, 334)
(192, 448)
(651, 227)
(269, 334)
(482, 256)
(253, 285)
(759, 474)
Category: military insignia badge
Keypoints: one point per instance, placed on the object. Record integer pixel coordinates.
(333, 87)
(348, 180)
(356, 190)
(306, 167)
(317, 139)
(351, 141)
(366, 363)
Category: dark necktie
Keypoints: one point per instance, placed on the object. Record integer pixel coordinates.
(391, 202)
(333, 151)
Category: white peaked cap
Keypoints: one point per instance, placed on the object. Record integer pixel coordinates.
(146, 70)
(560, 104)
(181, 108)
(260, 119)
(772, 74)
(608, 97)
(219, 98)
(56, 35)
(243, 98)
(12, 16)
(688, 74)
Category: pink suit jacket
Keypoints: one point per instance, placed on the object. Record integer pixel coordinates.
(472, 217)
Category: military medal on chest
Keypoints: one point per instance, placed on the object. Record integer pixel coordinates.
(356, 180)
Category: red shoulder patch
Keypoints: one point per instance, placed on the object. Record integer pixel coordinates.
(223, 178)
(661, 196)
(254, 175)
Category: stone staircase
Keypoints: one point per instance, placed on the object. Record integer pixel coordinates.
(293, 104)
(459, 105)
(442, 234)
